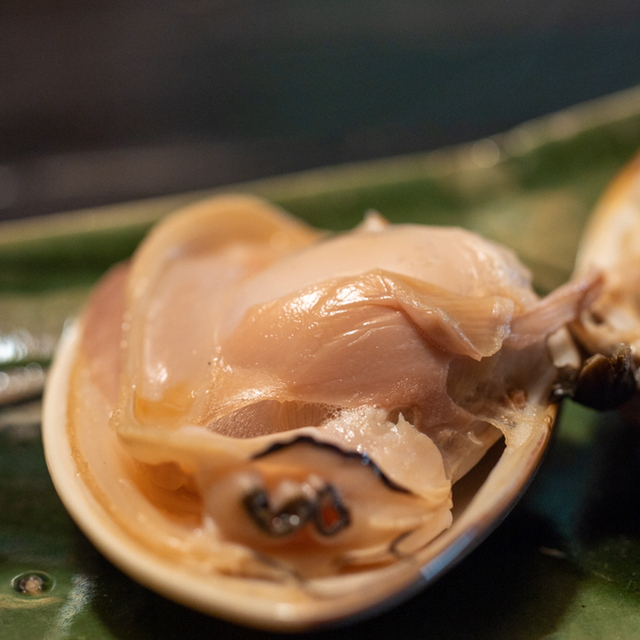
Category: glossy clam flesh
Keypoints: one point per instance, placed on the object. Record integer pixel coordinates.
(280, 426)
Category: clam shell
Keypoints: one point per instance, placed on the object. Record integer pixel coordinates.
(105, 504)
(611, 245)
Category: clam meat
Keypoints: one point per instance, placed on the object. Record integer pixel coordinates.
(286, 427)
(611, 245)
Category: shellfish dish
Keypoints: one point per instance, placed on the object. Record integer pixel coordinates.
(286, 427)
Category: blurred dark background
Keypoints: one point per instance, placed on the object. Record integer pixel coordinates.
(105, 101)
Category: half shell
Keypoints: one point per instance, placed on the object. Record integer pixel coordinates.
(282, 428)
(611, 245)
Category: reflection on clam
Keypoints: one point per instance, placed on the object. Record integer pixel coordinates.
(266, 422)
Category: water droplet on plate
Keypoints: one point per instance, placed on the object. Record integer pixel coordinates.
(33, 583)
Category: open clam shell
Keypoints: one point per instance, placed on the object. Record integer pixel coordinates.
(611, 245)
(331, 498)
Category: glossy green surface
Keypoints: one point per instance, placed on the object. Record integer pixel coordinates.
(565, 564)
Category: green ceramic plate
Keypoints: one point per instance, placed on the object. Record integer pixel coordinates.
(564, 564)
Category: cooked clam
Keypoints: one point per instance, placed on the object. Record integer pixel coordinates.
(611, 244)
(609, 329)
(287, 428)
